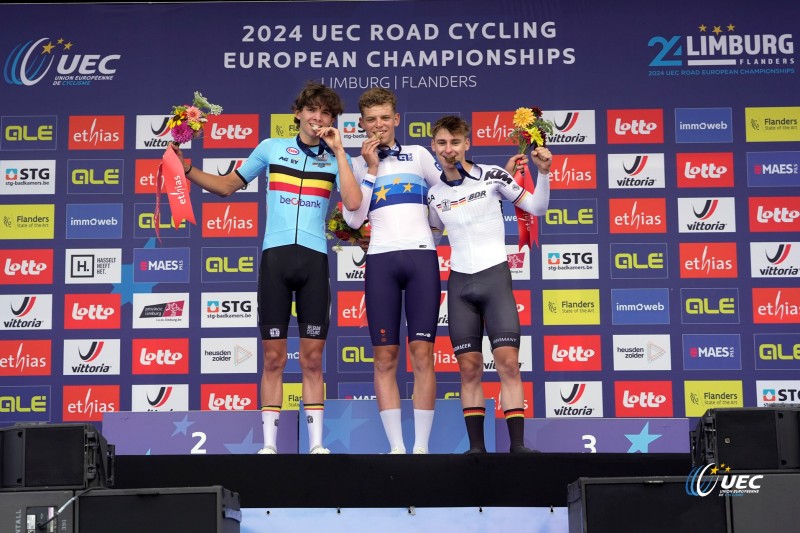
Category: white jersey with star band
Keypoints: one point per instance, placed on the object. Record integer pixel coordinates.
(396, 200)
(470, 211)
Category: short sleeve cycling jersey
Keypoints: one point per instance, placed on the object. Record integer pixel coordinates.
(299, 186)
(472, 214)
(396, 201)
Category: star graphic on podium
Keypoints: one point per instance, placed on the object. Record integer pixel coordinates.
(247, 446)
(341, 428)
(182, 425)
(640, 442)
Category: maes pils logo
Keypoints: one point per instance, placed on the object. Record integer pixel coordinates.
(30, 62)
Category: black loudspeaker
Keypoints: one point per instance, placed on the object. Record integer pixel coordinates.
(747, 439)
(772, 508)
(634, 505)
(169, 510)
(22, 511)
(58, 456)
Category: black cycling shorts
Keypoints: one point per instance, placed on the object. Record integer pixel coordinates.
(294, 269)
(482, 298)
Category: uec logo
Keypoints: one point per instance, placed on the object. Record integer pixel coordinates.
(27, 65)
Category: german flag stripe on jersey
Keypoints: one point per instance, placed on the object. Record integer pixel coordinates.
(520, 197)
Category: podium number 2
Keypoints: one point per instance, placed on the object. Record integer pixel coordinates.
(198, 448)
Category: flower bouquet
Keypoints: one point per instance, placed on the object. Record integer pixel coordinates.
(188, 120)
(530, 131)
(338, 229)
(186, 123)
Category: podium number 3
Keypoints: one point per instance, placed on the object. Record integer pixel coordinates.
(589, 441)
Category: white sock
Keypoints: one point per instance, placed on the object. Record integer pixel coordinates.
(423, 421)
(314, 414)
(269, 424)
(392, 425)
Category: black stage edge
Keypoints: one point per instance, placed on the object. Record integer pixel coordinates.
(334, 481)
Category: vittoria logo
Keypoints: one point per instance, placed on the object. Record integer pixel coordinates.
(706, 215)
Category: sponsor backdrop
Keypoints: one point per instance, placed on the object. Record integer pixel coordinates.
(666, 282)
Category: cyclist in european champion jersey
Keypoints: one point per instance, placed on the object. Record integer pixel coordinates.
(402, 266)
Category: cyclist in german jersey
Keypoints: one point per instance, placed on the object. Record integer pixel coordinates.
(301, 175)
(467, 200)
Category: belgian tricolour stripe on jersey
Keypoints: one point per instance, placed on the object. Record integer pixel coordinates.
(289, 180)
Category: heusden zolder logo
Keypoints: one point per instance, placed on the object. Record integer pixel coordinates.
(61, 62)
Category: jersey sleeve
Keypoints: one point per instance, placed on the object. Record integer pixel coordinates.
(257, 162)
(366, 181)
(535, 202)
(430, 168)
(434, 221)
(338, 177)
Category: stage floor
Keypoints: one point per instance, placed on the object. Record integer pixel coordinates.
(371, 481)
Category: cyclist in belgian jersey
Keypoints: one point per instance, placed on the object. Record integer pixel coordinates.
(467, 200)
(301, 175)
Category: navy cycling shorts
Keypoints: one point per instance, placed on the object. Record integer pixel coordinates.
(394, 279)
